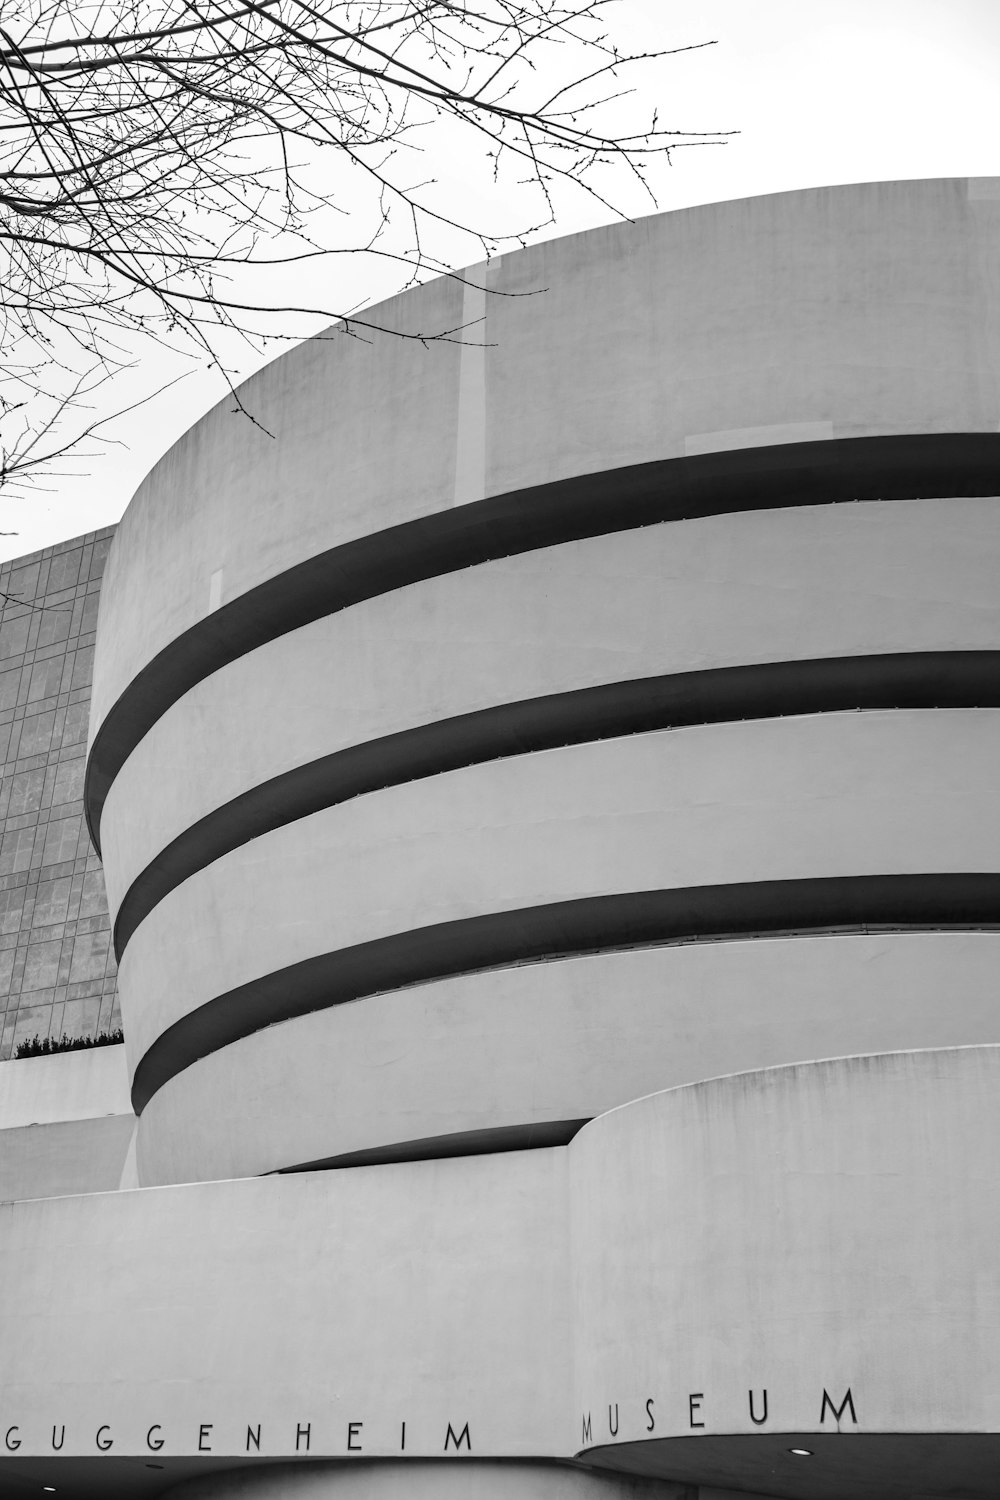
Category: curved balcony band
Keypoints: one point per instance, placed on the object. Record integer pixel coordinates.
(905, 680)
(774, 328)
(775, 908)
(514, 1057)
(904, 467)
(849, 794)
(666, 600)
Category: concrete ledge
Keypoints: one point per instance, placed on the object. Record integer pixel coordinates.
(813, 1232)
(66, 1123)
(83, 1085)
(73, 1156)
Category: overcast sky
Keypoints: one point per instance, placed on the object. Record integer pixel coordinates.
(821, 91)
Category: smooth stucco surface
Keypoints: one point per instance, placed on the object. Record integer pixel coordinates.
(828, 1226)
(833, 794)
(82, 1085)
(558, 1041)
(427, 1295)
(684, 596)
(754, 1231)
(273, 814)
(66, 1123)
(834, 312)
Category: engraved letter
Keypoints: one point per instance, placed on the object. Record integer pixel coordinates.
(694, 1404)
(649, 1413)
(613, 1430)
(402, 1438)
(62, 1437)
(353, 1431)
(151, 1442)
(302, 1432)
(451, 1438)
(587, 1436)
(758, 1421)
(105, 1445)
(12, 1443)
(253, 1437)
(204, 1446)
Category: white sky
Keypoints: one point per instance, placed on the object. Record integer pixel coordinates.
(822, 91)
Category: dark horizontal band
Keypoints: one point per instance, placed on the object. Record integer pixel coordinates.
(915, 680)
(486, 1142)
(563, 929)
(882, 468)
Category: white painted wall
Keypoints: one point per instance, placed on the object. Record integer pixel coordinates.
(558, 1041)
(817, 1227)
(429, 1294)
(823, 1227)
(83, 1085)
(834, 794)
(844, 311)
(779, 585)
(66, 1123)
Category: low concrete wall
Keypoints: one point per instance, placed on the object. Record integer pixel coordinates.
(797, 1231)
(429, 1295)
(83, 1085)
(817, 1232)
(66, 1123)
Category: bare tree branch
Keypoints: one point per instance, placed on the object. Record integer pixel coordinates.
(154, 153)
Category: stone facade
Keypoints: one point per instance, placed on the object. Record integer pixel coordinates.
(57, 970)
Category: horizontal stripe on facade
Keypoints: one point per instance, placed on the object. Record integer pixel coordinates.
(902, 680)
(713, 913)
(910, 466)
(532, 1137)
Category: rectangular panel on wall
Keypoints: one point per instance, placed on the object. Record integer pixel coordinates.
(57, 969)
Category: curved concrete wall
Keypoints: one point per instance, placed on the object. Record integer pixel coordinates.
(461, 1060)
(833, 313)
(775, 800)
(800, 1231)
(787, 1227)
(66, 1124)
(496, 655)
(689, 596)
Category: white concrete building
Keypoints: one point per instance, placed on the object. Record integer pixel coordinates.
(548, 781)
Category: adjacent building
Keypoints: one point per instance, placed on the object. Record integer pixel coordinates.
(57, 968)
(547, 786)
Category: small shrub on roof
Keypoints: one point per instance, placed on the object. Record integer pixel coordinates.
(36, 1047)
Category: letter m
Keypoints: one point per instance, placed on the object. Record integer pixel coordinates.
(838, 1411)
(587, 1434)
(457, 1441)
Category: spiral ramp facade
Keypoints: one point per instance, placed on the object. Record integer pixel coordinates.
(548, 781)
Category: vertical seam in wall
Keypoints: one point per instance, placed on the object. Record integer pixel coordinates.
(470, 436)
